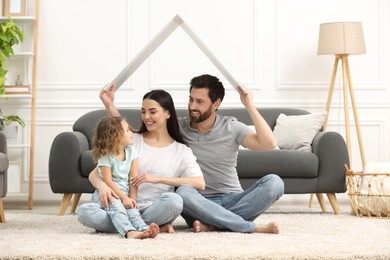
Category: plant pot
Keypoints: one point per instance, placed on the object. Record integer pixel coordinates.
(11, 132)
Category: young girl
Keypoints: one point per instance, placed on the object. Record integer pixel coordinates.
(118, 162)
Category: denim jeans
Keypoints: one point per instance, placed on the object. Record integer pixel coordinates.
(163, 211)
(232, 211)
(123, 219)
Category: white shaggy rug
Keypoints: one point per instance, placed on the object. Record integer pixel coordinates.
(305, 235)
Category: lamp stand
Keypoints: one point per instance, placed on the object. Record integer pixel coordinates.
(347, 83)
(346, 74)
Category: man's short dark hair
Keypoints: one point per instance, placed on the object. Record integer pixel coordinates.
(216, 89)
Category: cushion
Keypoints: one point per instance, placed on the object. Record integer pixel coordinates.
(86, 163)
(297, 132)
(4, 163)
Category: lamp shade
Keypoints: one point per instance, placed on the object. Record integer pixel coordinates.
(341, 38)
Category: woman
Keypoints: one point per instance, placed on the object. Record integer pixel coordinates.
(164, 163)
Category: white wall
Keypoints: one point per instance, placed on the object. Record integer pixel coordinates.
(268, 45)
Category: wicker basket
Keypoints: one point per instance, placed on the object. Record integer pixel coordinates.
(369, 193)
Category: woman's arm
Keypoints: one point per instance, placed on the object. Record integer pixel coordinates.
(107, 97)
(196, 182)
(133, 173)
(105, 193)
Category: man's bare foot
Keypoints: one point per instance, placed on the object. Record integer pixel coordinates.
(167, 228)
(153, 230)
(198, 226)
(138, 235)
(271, 227)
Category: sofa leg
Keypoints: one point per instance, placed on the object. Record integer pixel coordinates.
(333, 202)
(64, 203)
(321, 200)
(76, 200)
(2, 217)
(311, 200)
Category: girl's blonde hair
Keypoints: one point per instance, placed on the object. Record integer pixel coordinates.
(107, 137)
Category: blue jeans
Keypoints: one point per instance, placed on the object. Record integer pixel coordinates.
(123, 219)
(232, 211)
(163, 211)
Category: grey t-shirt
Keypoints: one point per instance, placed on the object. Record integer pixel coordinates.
(216, 152)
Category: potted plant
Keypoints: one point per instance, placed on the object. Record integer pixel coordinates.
(10, 34)
(7, 119)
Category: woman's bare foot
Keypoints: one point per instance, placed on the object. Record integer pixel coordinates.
(138, 235)
(271, 227)
(154, 230)
(167, 228)
(198, 226)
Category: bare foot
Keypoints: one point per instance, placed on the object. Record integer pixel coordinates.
(271, 227)
(154, 230)
(198, 226)
(138, 235)
(167, 228)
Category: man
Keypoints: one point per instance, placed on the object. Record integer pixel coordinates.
(215, 141)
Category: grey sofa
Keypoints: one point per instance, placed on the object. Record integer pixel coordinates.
(317, 172)
(4, 163)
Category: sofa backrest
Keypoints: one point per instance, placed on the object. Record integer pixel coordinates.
(86, 123)
(269, 114)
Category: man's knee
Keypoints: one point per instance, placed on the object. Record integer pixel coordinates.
(276, 184)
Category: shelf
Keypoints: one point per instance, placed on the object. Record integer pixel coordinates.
(18, 18)
(10, 146)
(22, 67)
(27, 96)
(11, 195)
(23, 54)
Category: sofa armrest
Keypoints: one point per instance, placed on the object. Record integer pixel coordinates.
(64, 163)
(3, 142)
(332, 152)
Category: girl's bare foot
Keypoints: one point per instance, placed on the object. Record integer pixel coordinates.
(167, 228)
(198, 226)
(271, 227)
(138, 235)
(153, 230)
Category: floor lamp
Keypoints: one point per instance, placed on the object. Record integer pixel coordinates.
(342, 39)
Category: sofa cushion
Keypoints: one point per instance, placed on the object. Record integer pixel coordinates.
(285, 163)
(86, 163)
(3, 162)
(297, 132)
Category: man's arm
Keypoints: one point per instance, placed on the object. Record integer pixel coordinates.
(264, 138)
(105, 192)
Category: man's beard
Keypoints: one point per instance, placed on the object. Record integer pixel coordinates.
(202, 116)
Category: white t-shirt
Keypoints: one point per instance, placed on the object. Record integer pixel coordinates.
(174, 160)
